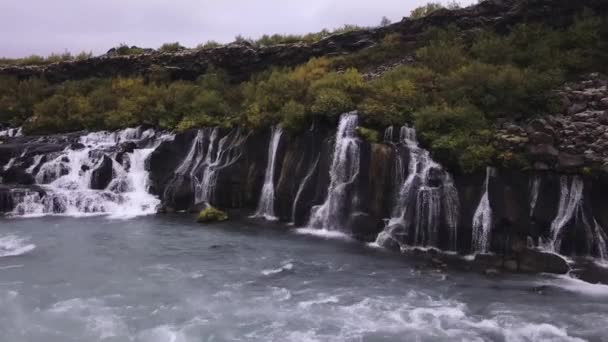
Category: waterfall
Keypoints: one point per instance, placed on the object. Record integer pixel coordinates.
(388, 134)
(534, 190)
(305, 181)
(266, 203)
(343, 173)
(66, 178)
(205, 175)
(482, 219)
(571, 209)
(426, 195)
(569, 201)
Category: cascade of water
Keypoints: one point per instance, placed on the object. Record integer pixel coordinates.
(266, 203)
(195, 154)
(482, 219)
(66, 179)
(600, 241)
(534, 189)
(570, 209)
(10, 163)
(343, 172)
(228, 152)
(426, 194)
(11, 132)
(569, 200)
(35, 163)
(296, 199)
(388, 134)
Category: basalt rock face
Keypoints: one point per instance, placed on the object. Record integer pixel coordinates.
(391, 192)
(241, 60)
(574, 140)
(555, 212)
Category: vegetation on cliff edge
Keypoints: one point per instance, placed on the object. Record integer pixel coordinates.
(454, 92)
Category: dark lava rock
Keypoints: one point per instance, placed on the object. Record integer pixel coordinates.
(102, 175)
(532, 260)
(17, 175)
(363, 226)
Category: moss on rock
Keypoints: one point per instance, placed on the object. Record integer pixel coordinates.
(211, 214)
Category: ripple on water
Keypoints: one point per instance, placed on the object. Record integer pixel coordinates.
(288, 266)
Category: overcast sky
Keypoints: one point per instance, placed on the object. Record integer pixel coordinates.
(45, 26)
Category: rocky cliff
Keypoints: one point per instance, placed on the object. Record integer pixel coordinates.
(327, 178)
(573, 140)
(241, 60)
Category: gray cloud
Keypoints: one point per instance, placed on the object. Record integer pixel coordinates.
(43, 26)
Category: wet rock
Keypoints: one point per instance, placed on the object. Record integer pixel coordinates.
(124, 148)
(363, 226)
(532, 260)
(102, 175)
(541, 138)
(544, 153)
(570, 161)
(77, 146)
(17, 175)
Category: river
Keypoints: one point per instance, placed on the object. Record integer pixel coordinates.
(165, 278)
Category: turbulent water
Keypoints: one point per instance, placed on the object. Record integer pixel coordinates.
(167, 279)
(69, 187)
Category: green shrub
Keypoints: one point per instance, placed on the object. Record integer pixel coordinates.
(210, 44)
(211, 214)
(458, 136)
(124, 50)
(171, 47)
(444, 52)
(368, 134)
(294, 117)
(425, 10)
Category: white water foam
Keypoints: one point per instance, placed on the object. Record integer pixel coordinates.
(67, 179)
(286, 267)
(13, 245)
(324, 233)
(578, 286)
(11, 132)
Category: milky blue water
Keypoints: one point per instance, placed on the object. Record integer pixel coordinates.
(165, 278)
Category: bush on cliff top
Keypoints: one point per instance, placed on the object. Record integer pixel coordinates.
(453, 93)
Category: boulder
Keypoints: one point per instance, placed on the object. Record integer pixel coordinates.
(531, 260)
(570, 161)
(126, 147)
(363, 226)
(211, 214)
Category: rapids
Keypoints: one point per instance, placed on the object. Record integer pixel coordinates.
(165, 278)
